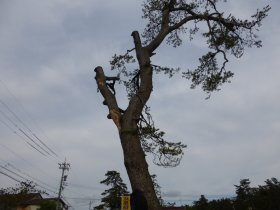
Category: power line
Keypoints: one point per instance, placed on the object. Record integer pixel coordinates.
(83, 187)
(13, 178)
(10, 176)
(20, 157)
(20, 105)
(13, 131)
(26, 127)
(27, 113)
(15, 125)
(20, 171)
(67, 202)
(25, 131)
(83, 198)
(27, 179)
(27, 136)
(13, 172)
(79, 193)
(45, 145)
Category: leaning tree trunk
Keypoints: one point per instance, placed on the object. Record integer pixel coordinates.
(134, 156)
(137, 169)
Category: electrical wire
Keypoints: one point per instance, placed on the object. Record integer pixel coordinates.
(15, 179)
(5, 168)
(15, 125)
(83, 187)
(21, 137)
(26, 134)
(20, 105)
(68, 203)
(20, 171)
(27, 114)
(10, 176)
(30, 131)
(26, 161)
(83, 198)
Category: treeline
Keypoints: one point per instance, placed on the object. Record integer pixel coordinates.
(263, 197)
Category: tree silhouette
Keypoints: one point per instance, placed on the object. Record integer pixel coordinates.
(11, 196)
(112, 197)
(170, 21)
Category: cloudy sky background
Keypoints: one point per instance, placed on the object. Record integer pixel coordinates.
(47, 55)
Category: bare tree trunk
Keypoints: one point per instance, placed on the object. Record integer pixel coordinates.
(137, 168)
(134, 156)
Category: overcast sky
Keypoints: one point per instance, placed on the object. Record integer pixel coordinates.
(47, 89)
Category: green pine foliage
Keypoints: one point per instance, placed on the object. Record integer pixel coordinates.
(112, 197)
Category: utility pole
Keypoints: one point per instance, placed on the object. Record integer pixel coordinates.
(64, 166)
(90, 202)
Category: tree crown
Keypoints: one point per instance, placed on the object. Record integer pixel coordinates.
(170, 20)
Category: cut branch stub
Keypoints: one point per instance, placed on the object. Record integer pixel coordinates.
(109, 97)
(100, 77)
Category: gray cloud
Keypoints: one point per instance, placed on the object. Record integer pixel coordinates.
(48, 52)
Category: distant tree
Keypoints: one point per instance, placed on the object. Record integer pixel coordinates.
(23, 188)
(221, 204)
(204, 204)
(48, 205)
(201, 204)
(170, 20)
(7, 200)
(267, 196)
(244, 195)
(272, 188)
(112, 197)
(263, 197)
(157, 189)
(188, 207)
(243, 190)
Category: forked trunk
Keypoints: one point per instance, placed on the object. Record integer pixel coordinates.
(134, 156)
(126, 122)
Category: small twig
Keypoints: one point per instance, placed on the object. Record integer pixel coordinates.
(128, 51)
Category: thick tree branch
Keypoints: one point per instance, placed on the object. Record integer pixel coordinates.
(138, 101)
(181, 23)
(164, 27)
(109, 97)
(138, 47)
(157, 40)
(165, 22)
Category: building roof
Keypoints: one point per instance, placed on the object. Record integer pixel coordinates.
(20, 198)
(29, 199)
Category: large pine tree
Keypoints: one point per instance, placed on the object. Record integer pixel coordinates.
(173, 21)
